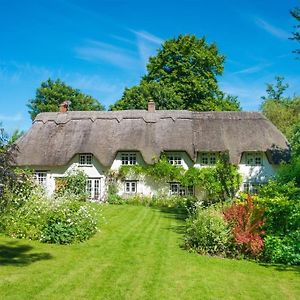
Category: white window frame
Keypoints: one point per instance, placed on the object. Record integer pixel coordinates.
(175, 188)
(175, 159)
(128, 158)
(130, 186)
(85, 160)
(93, 188)
(254, 159)
(250, 187)
(41, 178)
(208, 158)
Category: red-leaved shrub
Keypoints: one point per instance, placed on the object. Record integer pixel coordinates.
(246, 220)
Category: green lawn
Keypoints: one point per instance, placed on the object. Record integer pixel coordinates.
(137, 255)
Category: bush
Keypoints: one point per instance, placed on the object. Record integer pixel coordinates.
(284, 250)
(246, 220)
(68, 222)
(74, 183)
(187, 203)
(207, 232)
(281, 201)
(61, 220)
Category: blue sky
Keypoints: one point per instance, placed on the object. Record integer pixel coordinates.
(101, 47)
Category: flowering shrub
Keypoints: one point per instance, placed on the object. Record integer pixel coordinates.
(61, 220)
(207, 232)
(69, 221)
(247, 221)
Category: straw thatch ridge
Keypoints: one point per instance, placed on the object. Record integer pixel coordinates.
(55, 138)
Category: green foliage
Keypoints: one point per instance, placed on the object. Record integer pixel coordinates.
(283, 249)
(275, 92)
(296, 34)
(112, 196)
(68, 222)
(15, 136)
(219, 183)
(295, 140)
(186, 204)
(281, 201)
(61, 220)
(137, 97)
(183, 75)
(52, 93)
(73, 183)
(282, 111)
(162, 170)
(228, 177)
(282, 204)
(207, 232)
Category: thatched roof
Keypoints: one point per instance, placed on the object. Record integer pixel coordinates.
(55, 138)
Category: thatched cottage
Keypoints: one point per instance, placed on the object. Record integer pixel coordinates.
(97, 141)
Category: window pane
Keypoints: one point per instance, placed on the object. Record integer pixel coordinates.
(96, 189)
(133, 187)
(89, 187)
(88, 159)
(81, 159)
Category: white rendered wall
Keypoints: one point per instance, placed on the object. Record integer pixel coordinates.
(146, 186)
(93, 171)
(257, 174)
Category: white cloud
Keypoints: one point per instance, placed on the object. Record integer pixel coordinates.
(102, 52)
(273, 30)
(147, 45)
(253, 69)
(148, 37)
(14, 72)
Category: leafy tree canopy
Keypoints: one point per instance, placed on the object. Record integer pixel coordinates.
(52, 93)
(283, 112)
(296, 34)
(183, 75)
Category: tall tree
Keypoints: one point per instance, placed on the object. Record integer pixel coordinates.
(296, 34)
(283, 112)
(183, 75)
(52, 93)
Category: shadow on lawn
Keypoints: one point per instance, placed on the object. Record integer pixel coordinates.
(179, 214)
(16, 255)
(282, 268)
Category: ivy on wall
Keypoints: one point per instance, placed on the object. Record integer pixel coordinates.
(219, 182)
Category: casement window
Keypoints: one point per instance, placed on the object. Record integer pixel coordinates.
(41, 177)
(177, 189)
(250, 187)
(93, 188)
(174, 159)
(130, 186)
(208, 158)
(85, 159)
(128, 158)
(254, 159)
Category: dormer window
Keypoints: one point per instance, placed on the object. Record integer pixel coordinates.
(208, 158)
(85, 159)
(254, 159)
(128, 158)
(174, 159)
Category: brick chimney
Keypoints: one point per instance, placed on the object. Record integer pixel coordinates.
(151, 106)
(64, 107)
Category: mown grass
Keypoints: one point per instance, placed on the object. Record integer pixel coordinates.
(137, 255)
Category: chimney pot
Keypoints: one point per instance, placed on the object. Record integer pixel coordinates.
(151, 106)
(64, 107)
